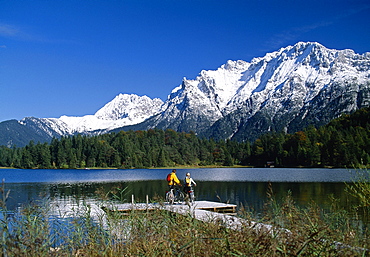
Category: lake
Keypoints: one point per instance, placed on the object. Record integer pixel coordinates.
(241, 186)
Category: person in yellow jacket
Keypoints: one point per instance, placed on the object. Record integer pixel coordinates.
(174, 180)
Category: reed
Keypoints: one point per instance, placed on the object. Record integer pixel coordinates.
(360, 189)
(309, 231)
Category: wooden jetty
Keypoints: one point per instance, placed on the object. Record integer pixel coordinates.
(206, 211)
(126, 208)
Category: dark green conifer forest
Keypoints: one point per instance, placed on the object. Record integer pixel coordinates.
(344, 142)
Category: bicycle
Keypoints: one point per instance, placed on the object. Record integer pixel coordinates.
(175, 195)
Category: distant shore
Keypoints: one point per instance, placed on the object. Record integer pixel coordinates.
(186, 167)
(153, 168)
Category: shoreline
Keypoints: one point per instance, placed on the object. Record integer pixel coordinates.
(187, 167)
(148, 168)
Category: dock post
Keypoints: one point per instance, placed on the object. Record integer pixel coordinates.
(147, 201)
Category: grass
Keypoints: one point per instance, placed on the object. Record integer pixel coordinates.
(360, 188)
(308, 231)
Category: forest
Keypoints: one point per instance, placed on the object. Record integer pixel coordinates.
(344, 142)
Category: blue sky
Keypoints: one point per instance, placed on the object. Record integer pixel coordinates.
(71, 57)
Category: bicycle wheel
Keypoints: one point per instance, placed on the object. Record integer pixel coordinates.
(170, 197)
(192, 197)
(180, 197)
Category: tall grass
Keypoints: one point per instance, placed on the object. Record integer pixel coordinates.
(360, 189)
(308, 231)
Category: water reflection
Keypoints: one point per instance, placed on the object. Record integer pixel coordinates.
(251, 194)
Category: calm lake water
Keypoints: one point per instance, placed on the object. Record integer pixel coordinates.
(242, 186)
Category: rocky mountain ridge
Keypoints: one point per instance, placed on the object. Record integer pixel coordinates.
(285, 90)
(289, 89)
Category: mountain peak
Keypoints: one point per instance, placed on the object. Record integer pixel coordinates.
(130, 106)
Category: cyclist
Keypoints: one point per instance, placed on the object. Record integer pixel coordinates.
(173, 181)
(188, 183)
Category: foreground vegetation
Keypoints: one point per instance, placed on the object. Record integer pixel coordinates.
(344, 142)
(308, 231)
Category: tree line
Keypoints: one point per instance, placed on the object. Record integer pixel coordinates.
(344, 142)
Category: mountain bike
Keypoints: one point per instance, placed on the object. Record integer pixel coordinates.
(175, 195)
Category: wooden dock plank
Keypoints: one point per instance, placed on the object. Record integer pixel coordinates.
(206, 211)
(201, 205)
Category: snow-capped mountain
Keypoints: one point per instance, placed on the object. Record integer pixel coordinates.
(284, 90)
(288, 90)
(199, 103)
(123, 110)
